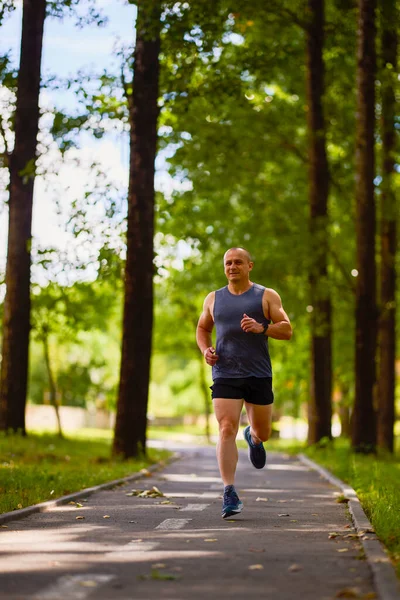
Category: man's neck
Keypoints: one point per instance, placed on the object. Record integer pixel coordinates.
(239, 287)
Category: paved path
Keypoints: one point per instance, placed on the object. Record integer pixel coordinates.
(178, 547)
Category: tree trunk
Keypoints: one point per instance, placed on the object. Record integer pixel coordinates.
(363, 420)
(16, 320)
(387, 322)
(206, 394)
(320, 407)
(52, 385)
(131, 421)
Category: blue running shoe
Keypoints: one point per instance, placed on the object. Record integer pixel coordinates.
(257, 454)
(231, 505)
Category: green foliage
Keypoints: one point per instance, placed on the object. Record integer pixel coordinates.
(43, 467)
(375, 479)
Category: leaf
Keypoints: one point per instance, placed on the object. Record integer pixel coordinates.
(347, 593)
(256, 567)
(106, 516)
(295, 567)
(88, 583)
(132, 521)
(342, 499)
(342, 549)
(293, 520)
(79, 517)
(163, 576)
(78, 505)
(158, 566)
(4, 526)
(261, 499)
(210, 540)
(333, 535)
(283, 515)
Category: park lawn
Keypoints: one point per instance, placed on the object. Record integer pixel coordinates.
(376, 479)
(42, 467)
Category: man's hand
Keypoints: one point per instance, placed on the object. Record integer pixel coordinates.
(210, 356)
(250, 325)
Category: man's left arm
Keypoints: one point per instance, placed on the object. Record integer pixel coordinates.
(280, 328)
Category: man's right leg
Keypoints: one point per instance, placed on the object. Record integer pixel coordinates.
(227, 412)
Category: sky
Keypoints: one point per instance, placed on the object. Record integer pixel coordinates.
(67, 49)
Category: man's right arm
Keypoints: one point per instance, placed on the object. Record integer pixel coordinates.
(204, 331)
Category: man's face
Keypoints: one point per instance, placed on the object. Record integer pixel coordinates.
(237, 265)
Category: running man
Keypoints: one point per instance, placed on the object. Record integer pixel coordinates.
(245, 314)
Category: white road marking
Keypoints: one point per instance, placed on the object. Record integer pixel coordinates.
(212, 495)
(194, 507)
(73, 587)
(173, 524)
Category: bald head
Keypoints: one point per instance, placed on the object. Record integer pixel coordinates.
(245, 253)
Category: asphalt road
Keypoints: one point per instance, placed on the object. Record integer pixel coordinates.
(292, 540)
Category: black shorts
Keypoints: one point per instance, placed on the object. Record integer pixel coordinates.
(255, 390)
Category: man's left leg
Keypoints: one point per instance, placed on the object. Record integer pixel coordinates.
(259, 431)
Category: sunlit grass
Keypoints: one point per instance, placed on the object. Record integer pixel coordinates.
(376, 479)
(41, 467)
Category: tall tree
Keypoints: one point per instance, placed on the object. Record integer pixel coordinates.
(364, 421)
(387, 322)
(320, 407)
(16, 324)
(130, 427)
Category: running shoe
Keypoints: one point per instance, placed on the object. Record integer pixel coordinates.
(231, 505)
(257, 454)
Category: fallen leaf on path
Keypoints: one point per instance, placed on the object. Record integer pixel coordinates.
(349, 592)
(166, 502)
(154, 492)
(78, 505)
(88, 583)
(158, 566)
(163, 576)
(342, 500)
(256, 567)
(293, 520)
(342, 550)
(295, 567)
(132, 521)
(5, 526)
(283, 515)
(210, 540)
(106, 517)
(262, 500)
(314, 514)
(79, 517)
(333, 535)
(145, 472)
(72, 502)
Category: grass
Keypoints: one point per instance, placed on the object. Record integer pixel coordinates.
(376, 479)
(41, 467)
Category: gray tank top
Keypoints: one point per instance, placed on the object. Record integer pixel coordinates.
(240, 354)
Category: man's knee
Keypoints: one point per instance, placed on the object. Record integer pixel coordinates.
(263, 432)
(227, 430)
